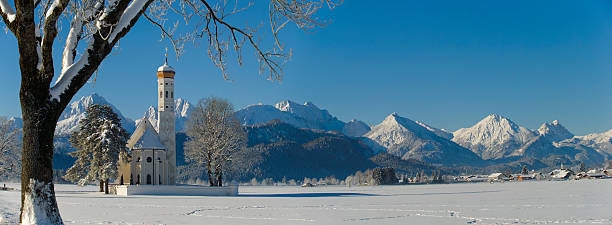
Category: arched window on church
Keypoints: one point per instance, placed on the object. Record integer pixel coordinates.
(166, 94)
(148, 178)
(172, 94)
(131, 179)
(161, 94)
(138, 179)
(159, 179)
(121, 181)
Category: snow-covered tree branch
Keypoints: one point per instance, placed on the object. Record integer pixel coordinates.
(8, 14)
(214, 135)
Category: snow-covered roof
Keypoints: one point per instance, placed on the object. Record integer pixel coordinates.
(560, 173)
(145, 137)
(495, 175)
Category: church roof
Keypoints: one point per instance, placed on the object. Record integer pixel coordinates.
(145, 137)
(165, 68)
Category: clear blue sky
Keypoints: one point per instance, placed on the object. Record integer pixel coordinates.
(447, 63)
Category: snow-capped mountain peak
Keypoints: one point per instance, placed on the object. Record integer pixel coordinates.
(493, 137)
(355, 128)
(554, 131)
(70, 117)
(151, 115)
(440, 132)
(306, 115)
(407, 139)
(182, 111)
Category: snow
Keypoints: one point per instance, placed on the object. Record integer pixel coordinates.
(70, 117)
(6, 8)
(602, 142)
(55, 4)
(407, 139)
(165, 68)
(355, 128)
(305, 115)
(440, 132)
(38, 48)
(182, 109)
(554, 131)
(532, 202)
(128, 15)
(36, 211)
(560, 173)
(145, 137)
(76, 29)
(493, 137)
(65, 78)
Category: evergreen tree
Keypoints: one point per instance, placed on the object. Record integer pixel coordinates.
(99, 142)
(524, 171)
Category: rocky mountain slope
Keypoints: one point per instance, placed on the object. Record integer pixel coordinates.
(409, 140)
(306, 115)
(493, 137)
(69, 120)
(182, 111)
(554, 131)
(500, 139)
(279, 150)
(602, 142)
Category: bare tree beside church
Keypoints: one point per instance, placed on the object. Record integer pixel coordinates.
(99, 142)
(214, 135)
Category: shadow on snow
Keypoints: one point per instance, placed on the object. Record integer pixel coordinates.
(306, 195)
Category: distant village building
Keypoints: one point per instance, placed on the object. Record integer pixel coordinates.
(499, 177)
(531, 176)
(153, 152)
(561, 174)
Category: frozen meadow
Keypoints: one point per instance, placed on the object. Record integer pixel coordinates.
(544, 202)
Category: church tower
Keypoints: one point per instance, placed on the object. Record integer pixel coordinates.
(165, 122)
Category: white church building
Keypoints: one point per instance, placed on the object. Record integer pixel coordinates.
(151, 167)
(153, 152)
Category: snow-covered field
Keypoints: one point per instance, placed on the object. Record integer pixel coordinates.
(560, 202)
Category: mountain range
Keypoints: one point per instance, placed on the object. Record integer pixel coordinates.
(408, 139)
(306, 115)
(493, 142)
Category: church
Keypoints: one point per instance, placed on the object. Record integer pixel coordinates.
(152, 158)
(151, 167)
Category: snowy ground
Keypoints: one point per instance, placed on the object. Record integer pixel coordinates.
(561, 202)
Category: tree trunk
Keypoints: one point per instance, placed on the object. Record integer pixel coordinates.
(211, 180)
(101, 186)
(220, 178)
(38, 203)
(106, 186)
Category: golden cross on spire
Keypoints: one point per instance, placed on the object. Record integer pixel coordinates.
(166, 56)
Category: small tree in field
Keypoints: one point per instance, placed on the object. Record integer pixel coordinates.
(99, 142)
(214, 135)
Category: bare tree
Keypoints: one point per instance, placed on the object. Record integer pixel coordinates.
(9, 144)
(93, 29)
(214, 135)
